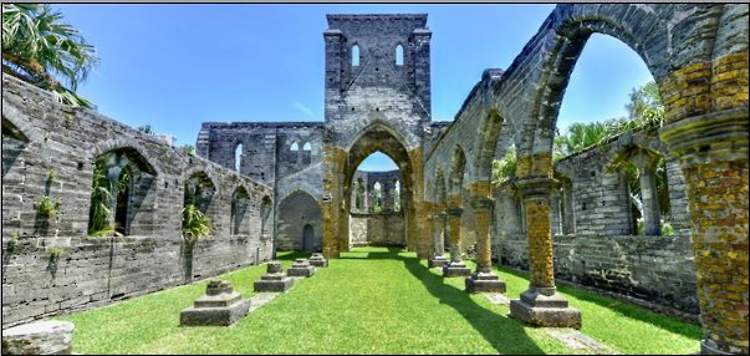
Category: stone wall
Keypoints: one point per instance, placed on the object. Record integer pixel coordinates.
(51, 266)
(384, 229)
(593, 230)
(656, 269)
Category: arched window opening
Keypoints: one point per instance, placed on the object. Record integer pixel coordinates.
(377, 198)
(593, 113)
(645, 175)
(294, 146)
(265, 218)
(239, 208)
(359, 194)
(238, 153)
(122, 194)
(306, 153)
(199, 192)
(399, 55)
(355, 56)
(397, 195)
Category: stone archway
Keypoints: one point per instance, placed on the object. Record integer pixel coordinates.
(299, 223)
(343, 165)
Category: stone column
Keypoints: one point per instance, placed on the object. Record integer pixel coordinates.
(438, 234)
(646, 164)
(483, 279)
(716, 177)
(541, 304)
(456, 267)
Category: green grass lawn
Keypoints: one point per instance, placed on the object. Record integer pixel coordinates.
(372, 300)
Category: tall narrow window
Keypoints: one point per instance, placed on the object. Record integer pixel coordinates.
(238, 157)
(399, 55)
(355, 55)
(306, 153)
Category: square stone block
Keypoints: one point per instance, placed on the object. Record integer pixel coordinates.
(484, 283)
(275, 284)
(301, 268)
(214, 316)
(437, 261)
(540, 309)
(318, 260)
(456, 269)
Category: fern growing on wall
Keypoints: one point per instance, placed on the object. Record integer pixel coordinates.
(195, 224)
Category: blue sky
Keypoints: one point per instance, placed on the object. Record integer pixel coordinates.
(175, 66)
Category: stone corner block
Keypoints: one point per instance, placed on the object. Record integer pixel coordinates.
(45, 337)
(484, 283)
(545, 310)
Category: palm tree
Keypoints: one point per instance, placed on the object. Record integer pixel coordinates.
(38, 47)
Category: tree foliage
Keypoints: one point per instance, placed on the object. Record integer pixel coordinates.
(645, 111)
(195, 224)
(103, 190)
(504, 169)
(39, 47)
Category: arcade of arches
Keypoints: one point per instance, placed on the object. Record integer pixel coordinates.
(270, 186)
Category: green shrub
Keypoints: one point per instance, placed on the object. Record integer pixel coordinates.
(504, 169)
(195, 224)
(50, 176)
(47, 207)
(55, 253)
(13, 241)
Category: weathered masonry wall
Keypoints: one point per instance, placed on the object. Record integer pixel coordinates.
(594, 233)
(383, 229)
(656, 269)
(50, 265)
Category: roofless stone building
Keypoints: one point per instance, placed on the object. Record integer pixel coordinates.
(295, 185)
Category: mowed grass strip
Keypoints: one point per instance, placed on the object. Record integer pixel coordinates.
(372, 300)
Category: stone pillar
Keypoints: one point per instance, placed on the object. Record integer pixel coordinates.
(438, 234)
(541, 305)
(456, 267)
(646, 164)
(483, 279)
(716, 176)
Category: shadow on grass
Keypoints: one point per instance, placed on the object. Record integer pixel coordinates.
(626, 309)
(291, 255)
(505, 335)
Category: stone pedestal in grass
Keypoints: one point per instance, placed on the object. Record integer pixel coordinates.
(301, 268)
(456, 269)
(438, 261)
(318, 260)
(545, 307)
(275, 280)
(220, 306)
(484, 282)
(46, 337)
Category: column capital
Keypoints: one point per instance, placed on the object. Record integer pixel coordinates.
(482, 203)
(533, 188)
(713, 137)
